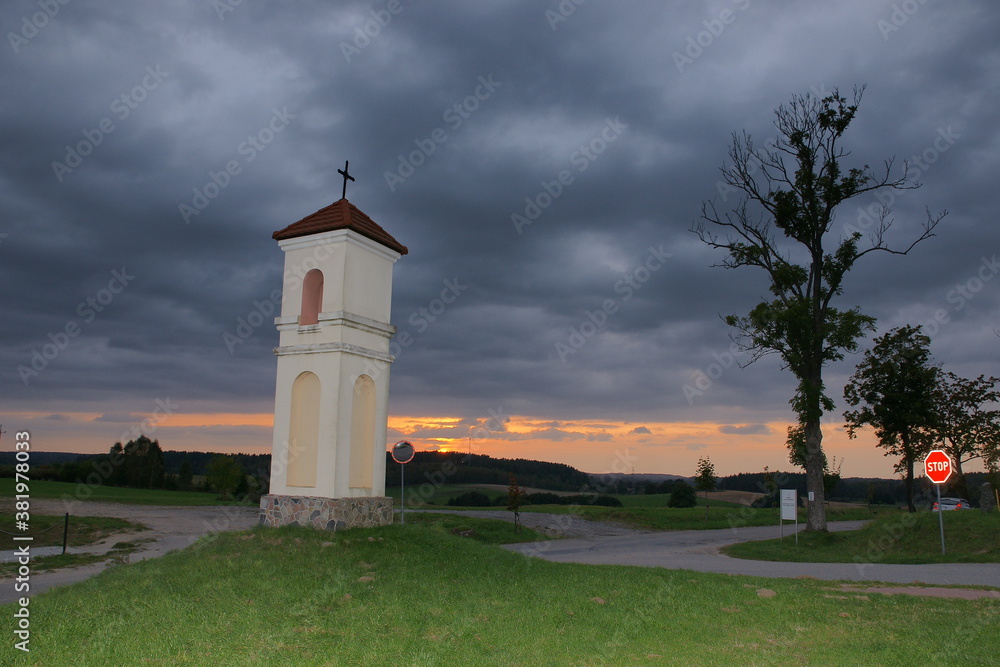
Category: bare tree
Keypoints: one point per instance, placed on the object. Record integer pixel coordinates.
(789, 193)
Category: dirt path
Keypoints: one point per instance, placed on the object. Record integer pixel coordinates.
(170, 528)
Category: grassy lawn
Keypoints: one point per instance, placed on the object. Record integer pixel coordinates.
(485, 531)
(690, 518)
(416, 594)
(114, 494)
(970, 537)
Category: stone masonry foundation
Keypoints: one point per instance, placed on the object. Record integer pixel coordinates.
(325, 513)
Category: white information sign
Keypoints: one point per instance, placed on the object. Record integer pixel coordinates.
(789, 505)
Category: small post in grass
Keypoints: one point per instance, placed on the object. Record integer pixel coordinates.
(938, 468)
(65, 532)
(402, 453)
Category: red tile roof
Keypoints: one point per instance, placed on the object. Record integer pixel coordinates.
(340, 215)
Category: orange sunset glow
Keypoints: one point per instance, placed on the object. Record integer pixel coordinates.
(589, 445)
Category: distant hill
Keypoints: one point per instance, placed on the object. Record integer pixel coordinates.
(637, 477)
(41, 458)
(457, 468)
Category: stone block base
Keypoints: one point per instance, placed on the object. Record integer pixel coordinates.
(325, 513)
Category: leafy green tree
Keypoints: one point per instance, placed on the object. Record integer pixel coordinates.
(789, 192)
(186, 475)
(224, 474)
(894, 385)
(831, 476)
(704, 478)
(797, 455)
(138, 463)
(682, 495)
(966, 427)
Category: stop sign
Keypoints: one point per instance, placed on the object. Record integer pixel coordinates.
(937, 466)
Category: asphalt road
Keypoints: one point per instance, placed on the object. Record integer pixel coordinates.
(699, 550)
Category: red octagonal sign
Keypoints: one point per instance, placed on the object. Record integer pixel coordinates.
(937, 466)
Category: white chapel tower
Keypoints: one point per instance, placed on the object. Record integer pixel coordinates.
(332, 392)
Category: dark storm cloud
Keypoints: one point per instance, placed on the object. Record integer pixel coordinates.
(605, 306)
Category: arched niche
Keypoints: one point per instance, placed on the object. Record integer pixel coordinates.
(303, 435)
(362, 434)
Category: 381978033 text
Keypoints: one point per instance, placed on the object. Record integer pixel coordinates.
(22, 521)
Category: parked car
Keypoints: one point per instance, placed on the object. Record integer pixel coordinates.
(953, 504)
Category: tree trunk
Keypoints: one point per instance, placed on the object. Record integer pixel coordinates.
(909, 484)
(958, 484)
(816, 519)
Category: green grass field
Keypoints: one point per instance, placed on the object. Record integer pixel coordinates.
(690, 518)
(970, 537)
(114, 494)
(418, 595)
(486, 531)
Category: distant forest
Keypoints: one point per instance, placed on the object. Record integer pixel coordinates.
(187, 470)
(458, 468)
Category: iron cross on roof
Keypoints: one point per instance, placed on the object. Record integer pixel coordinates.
(347, 177)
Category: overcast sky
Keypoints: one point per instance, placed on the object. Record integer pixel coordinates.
(544, 163)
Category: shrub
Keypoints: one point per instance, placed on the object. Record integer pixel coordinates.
(471, 499)
(543, 498)
(682, 495)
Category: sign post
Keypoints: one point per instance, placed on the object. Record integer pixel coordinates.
(937, 467)
(790, 510)
(402, 453)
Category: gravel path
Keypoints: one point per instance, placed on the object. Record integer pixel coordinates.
(170, 528)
